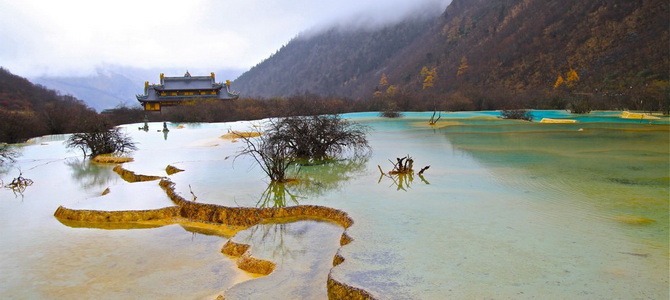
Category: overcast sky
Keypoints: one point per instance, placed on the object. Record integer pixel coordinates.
(74, 37)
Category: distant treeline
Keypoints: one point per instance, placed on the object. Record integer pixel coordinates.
(28, 110)
(469, 99)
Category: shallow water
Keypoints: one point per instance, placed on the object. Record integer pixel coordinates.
(508, 209)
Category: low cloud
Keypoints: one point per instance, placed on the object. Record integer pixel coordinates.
(75, 37)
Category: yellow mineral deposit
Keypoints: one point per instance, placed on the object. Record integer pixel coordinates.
(339, 290)
(234, 249)
(111, 159)
(244, 259)
(172, 170)
(557, 121)
(633, 220)
(638, 116)
(436, 125)
(96, 216)
(338, 259)
(254, 265)
(234, 135)
(130, 176)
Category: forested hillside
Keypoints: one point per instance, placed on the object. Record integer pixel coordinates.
(330, 63)
(29, 110)
(485, 54)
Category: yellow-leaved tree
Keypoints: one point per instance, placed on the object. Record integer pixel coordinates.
(391, 91)
(571, 77)
(383, 81)
(559, 81)
(429, 76)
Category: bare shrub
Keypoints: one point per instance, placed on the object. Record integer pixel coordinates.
(516, 114)
(310, 138)
(391, 111)
(319, 137)
(100, 139)
(580, 106)
(273, 156)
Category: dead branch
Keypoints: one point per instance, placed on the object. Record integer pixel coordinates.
(433, 121)
(402, 174)
(191, 190)
(19, 184)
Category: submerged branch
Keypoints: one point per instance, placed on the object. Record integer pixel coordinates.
(19, 184)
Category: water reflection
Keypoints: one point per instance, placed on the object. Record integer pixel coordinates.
(313, 180)
(317, 179)
(165, 131)
(90, 175)
(401, 181)
(144, 128)
(277, 195)
(273, 238)
(302, 252)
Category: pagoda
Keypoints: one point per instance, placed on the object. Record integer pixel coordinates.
(184, 90)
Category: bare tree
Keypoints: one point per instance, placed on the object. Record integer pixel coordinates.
(319, 137)
(311, 138)
(101, 141)
(272, 155)
(516, 114)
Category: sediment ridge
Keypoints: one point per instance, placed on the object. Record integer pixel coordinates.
(131, 176)
(339, 290)
(191, 211)
(172, 170)
(125, 216)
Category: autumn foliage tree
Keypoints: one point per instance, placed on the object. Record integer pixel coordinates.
(429, 76)
(387, 95)
(571, 78)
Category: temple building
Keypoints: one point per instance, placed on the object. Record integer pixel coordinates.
(185, 90)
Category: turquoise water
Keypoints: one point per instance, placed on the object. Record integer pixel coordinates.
(507, 209)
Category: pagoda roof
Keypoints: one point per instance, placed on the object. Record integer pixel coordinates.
(188, 83)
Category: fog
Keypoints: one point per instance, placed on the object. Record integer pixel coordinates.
(76, 37)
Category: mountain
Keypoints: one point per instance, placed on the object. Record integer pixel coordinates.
(329, 63)
(612, 52)
(113, 86)
(100, 91)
